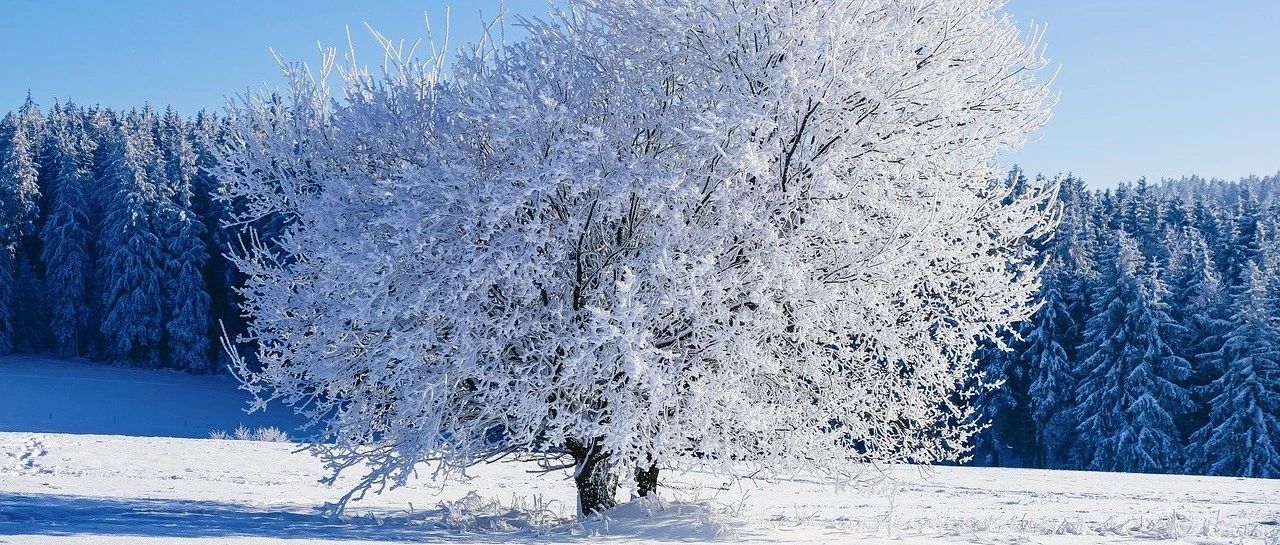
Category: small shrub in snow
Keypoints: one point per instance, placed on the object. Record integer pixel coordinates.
(270, 434)
(475, 513)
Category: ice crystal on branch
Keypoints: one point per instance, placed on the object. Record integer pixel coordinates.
(652, 234)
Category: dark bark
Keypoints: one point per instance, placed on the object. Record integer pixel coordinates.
(596, 486)
(647, 481)
(596, 482)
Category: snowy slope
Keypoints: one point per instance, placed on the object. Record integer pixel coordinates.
(67, 488)
(47, 395)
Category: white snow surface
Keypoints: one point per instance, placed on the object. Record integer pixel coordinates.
(114, 489)
(77, 396)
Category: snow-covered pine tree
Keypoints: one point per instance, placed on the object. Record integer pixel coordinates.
(1198, 304)
(1058, 327)
(20, 143)
(20, 174)
(1129, 396)
(1141, 217)
(103, 127)
(1001, 400)
(214, 213)
(132, 253)
(1242, 435)
(1051, 383)
(185, 295)
(66, 232)
(1241, 246)
(763, 234)
(6, 298)
(186, 298)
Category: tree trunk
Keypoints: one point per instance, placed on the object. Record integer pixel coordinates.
(596, 485)
(647, 481)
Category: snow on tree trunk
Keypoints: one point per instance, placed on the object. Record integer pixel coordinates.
(761, 235)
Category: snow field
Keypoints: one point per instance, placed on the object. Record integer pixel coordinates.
(118, 489)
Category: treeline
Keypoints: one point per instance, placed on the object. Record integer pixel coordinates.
(111, 239)
(1157, 348)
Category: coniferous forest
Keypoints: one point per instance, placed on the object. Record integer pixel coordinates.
(1156, 347)
(1157, 344)
(113, 237)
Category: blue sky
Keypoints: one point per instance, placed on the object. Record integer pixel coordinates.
(1159, 88)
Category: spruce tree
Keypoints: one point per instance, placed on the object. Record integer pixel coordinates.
(1049, 393)
(132, 323)
(186, 298)
(1129, 396)
(1242, 435)
(185, 294)
(66, 232)
(6, 298)
(20, 174)
(19, 203)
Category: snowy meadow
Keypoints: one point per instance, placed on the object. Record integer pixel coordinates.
(127, 475)
(647, 271)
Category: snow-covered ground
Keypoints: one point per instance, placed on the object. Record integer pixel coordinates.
(68, 488)
(48, 395)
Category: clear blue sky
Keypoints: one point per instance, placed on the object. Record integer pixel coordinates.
(1149, 87)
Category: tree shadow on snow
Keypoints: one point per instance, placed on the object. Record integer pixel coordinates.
(57, 515)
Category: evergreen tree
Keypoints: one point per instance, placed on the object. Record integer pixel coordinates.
(1197, 303)
(1130, 395)
(1242, 435)
(187, 299)
(185, 294)
(1051, 382)
(1242, 245)
(19, 204)
(66, 232)
(20, 174)
(133, 319)
(214, 213)
(6, 299)
(1000, 442)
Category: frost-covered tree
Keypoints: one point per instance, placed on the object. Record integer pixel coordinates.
(1242, 435)
(6, 300)
(186, 297)
(20, 142)
(1051, 382)
(1130, 393)
(133, 317)
(21, 135)
(66, 232)
(712, 233)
